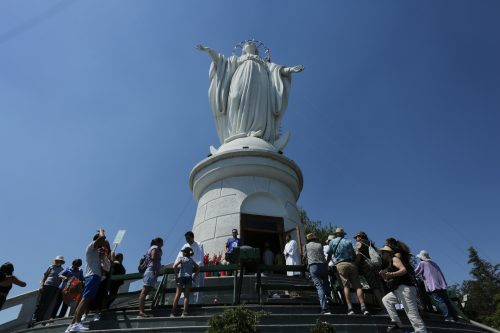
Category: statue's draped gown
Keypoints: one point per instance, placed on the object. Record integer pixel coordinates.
(248, 97)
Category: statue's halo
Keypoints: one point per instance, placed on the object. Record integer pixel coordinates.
(258, 45)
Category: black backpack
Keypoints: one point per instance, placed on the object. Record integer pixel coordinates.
(143, 263)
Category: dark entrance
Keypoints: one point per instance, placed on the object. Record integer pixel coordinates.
(256, 230)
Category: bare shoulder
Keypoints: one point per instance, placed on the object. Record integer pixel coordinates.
(396, 261)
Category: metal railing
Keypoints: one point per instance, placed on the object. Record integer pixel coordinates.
(163, 289)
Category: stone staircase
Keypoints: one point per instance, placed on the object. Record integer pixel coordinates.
(293, 312)
(280, 318)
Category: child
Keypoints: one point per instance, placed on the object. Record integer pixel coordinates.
(185, 279)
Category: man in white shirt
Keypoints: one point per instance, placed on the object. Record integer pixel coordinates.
(199, 253)
(291, 253)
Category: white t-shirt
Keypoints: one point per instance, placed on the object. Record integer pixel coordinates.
(93, 260)
(198, 255)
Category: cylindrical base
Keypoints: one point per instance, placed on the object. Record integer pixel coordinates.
(252, 183)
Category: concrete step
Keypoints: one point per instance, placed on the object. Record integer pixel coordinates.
(291, 322)
(265, 328)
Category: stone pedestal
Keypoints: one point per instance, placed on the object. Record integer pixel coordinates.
(245, 176)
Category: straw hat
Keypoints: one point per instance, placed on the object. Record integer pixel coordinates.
(339, 232)
(310, 236)
(424, 255)
(386, 249)
(58, 258)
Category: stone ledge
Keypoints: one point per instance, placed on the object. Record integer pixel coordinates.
(245, 163)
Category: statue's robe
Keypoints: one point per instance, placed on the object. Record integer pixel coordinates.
(248, 97)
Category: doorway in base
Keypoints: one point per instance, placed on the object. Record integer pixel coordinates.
(257, 230)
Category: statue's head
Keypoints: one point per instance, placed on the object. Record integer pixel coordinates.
(250, 48)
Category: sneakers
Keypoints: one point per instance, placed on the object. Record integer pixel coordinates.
(172, 315)
(84, 317)
(325, 312)
(350, 312)
(69, 328)
(451, 320)
(394, 328)
(366, 312)
(97, 316)
(184, 314)
(78, 327)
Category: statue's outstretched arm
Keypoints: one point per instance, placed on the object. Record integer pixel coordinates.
(211, 52)
(290, 70)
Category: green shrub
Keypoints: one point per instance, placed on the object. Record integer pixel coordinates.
(323, 327)
(236, 319)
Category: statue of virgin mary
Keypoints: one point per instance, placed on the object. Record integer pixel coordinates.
(248, 95)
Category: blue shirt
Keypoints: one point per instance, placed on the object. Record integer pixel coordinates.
(341, 250)
(232, 243)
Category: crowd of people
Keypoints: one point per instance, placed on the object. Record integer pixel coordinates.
(62, 289)
(388, 271)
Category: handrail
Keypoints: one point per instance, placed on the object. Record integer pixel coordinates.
(170, 270)
(126, 277)
(159, 297)
(283, 268)
(21, 319)
(279, 268)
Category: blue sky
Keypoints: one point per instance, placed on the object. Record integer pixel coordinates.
(104, 111)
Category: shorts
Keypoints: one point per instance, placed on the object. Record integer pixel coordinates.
(348, 273)
(149, 279)
(184, 281)
(92, 284)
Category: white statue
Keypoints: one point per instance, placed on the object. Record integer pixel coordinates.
(248, 95)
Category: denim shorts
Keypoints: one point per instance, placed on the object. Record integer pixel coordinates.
(184, 281)
(149, 279)
(92, 284)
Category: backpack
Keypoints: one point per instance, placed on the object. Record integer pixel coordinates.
(374, 258)
(143, 263)
(73, 290)
(145, 260)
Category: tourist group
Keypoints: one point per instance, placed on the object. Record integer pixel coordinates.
(391, 274)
